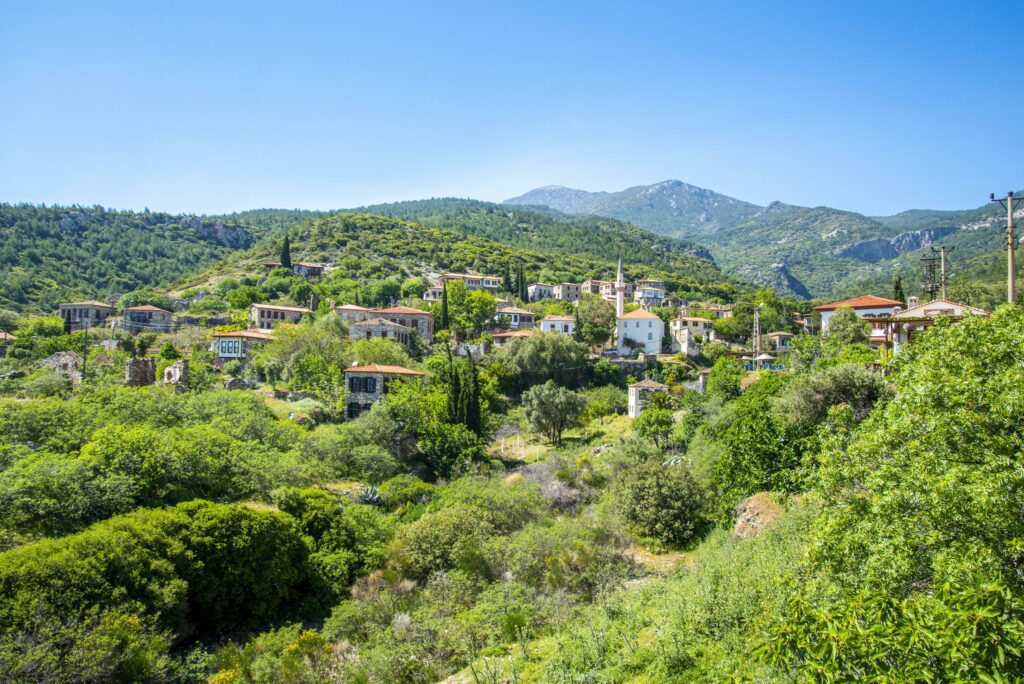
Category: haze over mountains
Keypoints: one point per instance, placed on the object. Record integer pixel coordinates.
(805, 251)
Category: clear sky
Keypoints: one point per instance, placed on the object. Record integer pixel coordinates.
(214, 106)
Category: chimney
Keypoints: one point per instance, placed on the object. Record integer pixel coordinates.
(912, 302)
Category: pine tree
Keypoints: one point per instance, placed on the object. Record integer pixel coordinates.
(286, 253)
(507, 284)
(897, 289)
(444, 306)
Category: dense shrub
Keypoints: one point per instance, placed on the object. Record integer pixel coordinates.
(663, 502)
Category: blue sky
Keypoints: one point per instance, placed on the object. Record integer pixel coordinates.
(208, 107)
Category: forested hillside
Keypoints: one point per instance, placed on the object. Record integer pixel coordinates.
(804, 251)
(54, 254)
(370, 245)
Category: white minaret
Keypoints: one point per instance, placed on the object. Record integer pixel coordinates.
(620, 292)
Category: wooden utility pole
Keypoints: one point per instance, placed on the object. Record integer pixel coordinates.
(1010, 204)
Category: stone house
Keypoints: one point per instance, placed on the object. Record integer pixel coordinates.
(266, 316)
(84, 315)
(419, 321)
(380, 328)
(148, 318)
(554, 323)
(366, 385)
(689, 332)
(566, 292)
(640, 393)
(639, 330)
(351, 312)
(239, 344)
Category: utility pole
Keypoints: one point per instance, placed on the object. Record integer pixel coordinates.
(757, 335)
(931, 267)
(944, 251)
(1010, 204)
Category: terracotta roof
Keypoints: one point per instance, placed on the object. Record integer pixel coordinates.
(7, 336)
(402, 310)
(557, 317)
(638, 314)
(694, 318)
(512, 333)
(862, 302)
(386, 370)
(146, 307)
(515, 310)
(379, 321)
(647, 383)
(275, 307)
(781, 333)
(251, 333)
(90, 302)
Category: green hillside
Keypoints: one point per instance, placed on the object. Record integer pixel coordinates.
(52, 254)
(367, 246)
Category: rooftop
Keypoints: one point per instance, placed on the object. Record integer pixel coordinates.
(251, 333)
(351, 307)
(514, 310)
(862, 302)
(638, 314)
(557, 317)
(937, 302)
(647, 383)
(90, 302)
(370, 322)
(379, 368)
(276, 307)
(402, 310)
(146, 307)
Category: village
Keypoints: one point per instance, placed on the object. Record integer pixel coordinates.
(652, 329)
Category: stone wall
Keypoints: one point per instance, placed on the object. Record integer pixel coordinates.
(139, 372)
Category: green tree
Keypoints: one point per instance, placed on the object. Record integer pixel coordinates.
(897, 289)
(595, 321)
(443, 321)
(654, 424)
(552, 410)
(286, 253)
(724, 378)
(663, 502)
(846, 328)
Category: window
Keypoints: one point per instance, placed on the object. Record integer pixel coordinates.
(650, 336)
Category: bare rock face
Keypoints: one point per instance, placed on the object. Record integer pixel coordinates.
(67, 364)
(139, 372)
(755, 513)
(236, 384)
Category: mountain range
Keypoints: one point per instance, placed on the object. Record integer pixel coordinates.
(808, 252)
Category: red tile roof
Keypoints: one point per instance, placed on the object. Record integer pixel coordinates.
(638, 313)
(402, 310)
(386, 370)
(862, 302)
(251, 333)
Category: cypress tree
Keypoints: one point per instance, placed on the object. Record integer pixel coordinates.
(508, 279)
(286, 253)
(471, 391)
(897, 289)
(444, 306)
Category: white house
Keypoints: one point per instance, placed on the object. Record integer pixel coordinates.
(539, 291)
(640, 393)
(639, 330)
(519, 319)
(564, 325)
(867, 307)
(780, 340)
(903, 325)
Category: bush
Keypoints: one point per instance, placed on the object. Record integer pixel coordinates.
(403, 490)
(505, 506)
(664, 502)
(442, 540)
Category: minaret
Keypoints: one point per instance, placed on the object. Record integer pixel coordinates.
(620, 292)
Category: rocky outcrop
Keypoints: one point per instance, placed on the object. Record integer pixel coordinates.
(219, 232)
(236, 384)
(755, 513)
(878, 249)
